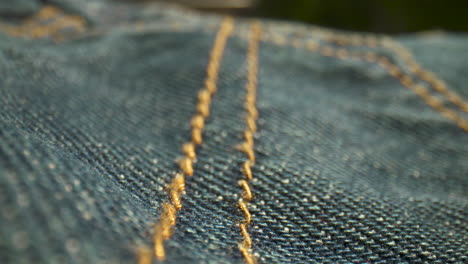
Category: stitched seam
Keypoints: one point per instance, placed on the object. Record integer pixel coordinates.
(163, 229)
(247, 147)
(383, 62)
(33, 27)
(371, 41)
(144, 255)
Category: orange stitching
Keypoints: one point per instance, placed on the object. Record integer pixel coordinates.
(33, 28)
(144, 255)
(408, 59)
(247, 146)
(47, 12)
(424, 74)
(391, 68)
(164, 227)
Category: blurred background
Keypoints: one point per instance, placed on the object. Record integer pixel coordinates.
(384, 16)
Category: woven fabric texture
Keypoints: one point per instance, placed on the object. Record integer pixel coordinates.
(361, 145)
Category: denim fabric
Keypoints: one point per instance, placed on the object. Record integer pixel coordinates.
(352, 166)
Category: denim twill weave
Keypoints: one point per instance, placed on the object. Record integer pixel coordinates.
(354, 161)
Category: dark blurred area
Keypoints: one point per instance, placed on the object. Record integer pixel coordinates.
(384, 16)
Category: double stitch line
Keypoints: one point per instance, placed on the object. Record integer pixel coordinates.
(164, 227)
(34, 28)
(382, 61)
(373, 41)
(407, 58)
(247, 146)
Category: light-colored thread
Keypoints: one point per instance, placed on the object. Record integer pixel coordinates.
(424, 74)
(203, 109)
(33, 28)
(164, 227)
(247, 196)
(247, 170)
(189, 150)
(248, 135)
(247, 147)
(186, 165)
(198, 121)
(245, 246)
(196, 136)
(392, 69)
(177, 186)
(244, 208)
(245, 233)
(145, 255)
(406, 56)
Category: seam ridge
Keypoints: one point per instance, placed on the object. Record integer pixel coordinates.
(394, 46)
(408, 58)
(395, 71)
(163, 229)
(247, 147)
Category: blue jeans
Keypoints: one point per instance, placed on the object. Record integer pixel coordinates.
(138, 133)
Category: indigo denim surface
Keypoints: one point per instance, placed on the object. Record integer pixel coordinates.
(361, 156)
